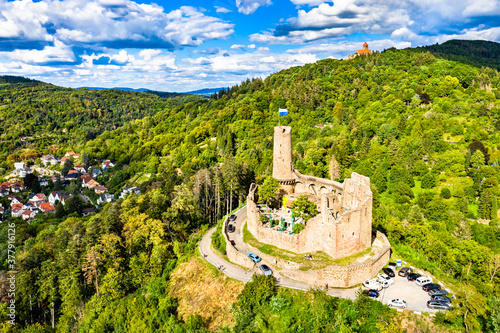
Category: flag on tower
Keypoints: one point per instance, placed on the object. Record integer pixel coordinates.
(283, 112)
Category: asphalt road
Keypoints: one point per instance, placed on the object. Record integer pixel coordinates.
(415, 297)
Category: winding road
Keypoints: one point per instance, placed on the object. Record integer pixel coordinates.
(241, 274)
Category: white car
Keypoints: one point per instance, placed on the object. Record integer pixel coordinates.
(372, 284)
(385, 278)
(397, 303)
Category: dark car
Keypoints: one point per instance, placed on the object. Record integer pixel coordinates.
(231, 228)
(254, 257)
(371, 293)
(405, 271)
(232, 218)
(441, 298)
(413, 276)
(388, 271)
(438, 305)
(266, 270)
(431, 286)
(437, 292)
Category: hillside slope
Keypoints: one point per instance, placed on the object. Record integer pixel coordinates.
(423, 128)
(475, 52)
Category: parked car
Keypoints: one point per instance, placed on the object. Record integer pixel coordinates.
(384, 277)
(445, 299)
(438, 305)
(397, 303)
(431, 286)
(232, 218)
(405, 271)
(392, 265)
(231, 228)
(372, 284)
(388, 271)
(372, 293)
(266, 270)
(254, 257)
(423, 280)
(413, 276)
(438, 292)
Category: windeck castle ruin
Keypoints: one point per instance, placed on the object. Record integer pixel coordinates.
(342, 228)
(344, 224)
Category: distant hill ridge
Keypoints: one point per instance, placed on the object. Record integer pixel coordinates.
(205, 91)
(478, 53)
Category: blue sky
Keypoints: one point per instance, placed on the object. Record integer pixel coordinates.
(175, 45)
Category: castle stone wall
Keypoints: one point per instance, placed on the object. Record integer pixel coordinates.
(344, 276)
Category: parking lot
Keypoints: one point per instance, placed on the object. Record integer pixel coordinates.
(416, 299)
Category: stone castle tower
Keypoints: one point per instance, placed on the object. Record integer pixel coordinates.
(282, 157)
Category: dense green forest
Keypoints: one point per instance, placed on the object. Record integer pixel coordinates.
(33, 113)
(478, 52)
(423, 128)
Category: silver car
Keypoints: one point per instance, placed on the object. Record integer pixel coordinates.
(266, 270)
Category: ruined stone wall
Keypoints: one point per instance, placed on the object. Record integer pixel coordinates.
(358, 196)
(344, 276)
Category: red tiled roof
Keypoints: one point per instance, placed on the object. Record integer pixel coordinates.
(72, 171)
(27, 212)
(46, 206)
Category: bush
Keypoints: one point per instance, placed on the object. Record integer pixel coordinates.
(445, 193)
(298, 228)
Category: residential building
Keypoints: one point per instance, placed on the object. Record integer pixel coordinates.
(103, 198)
(99, 189)
(127, 190)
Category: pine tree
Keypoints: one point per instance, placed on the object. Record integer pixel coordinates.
(485, 205)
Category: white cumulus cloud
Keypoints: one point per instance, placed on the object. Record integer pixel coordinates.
(250, 6)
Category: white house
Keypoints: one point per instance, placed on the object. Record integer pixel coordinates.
(25, 171)
(127, 190)
(105, 198)
(53, 197)
(18, 165)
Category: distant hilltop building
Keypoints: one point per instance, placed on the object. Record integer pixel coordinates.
(364, 51)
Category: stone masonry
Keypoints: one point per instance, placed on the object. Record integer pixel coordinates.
(344, 225)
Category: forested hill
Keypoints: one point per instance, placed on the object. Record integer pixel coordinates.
(423, 128)
(475, 52)
(40, 113)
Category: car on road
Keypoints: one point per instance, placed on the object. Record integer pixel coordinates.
(405, 271)
(266, 270)
(232, 218)
(397, 303)
(441, 298)
(413, 276)
(231, 228)
(431, 286)
(255, 258)
(384, 277)
(371, 293)
(438, 305)
(388, 271)
(437, 292)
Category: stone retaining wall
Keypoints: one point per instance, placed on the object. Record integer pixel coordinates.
(344, 276)
(285, 264)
